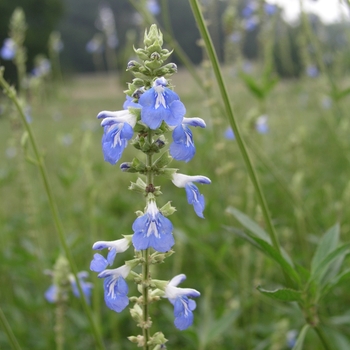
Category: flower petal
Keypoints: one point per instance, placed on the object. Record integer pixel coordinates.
(195, 198)
(99, 263)
(183, 147)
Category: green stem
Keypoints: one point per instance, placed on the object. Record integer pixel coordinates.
(224, 94)
(323, 338)
(11, 92)
(145, 265)
(8, 331)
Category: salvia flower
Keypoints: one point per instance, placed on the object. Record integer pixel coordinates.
(8, 50)
(183, 306)
(153, 7)
(118, 130)
(99, 263)
(51, 294)
(161, 104)
(183, 147)
(193, 196)
(153, 230)
(312, 71)
(115, 288)
(85, 286)
(229, 134)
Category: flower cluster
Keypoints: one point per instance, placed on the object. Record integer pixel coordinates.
(151, 110)
(250, 13)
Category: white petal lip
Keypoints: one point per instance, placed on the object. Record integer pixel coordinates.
(180, 180)
(194, 122)
(123, 116)
(172, 292)
(175, 281)
(120, 245)
(122, 271)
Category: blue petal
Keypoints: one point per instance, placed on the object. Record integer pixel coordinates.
(130, 103)
(99, 263)
(183, 147)
(157, 107)
(114, 141)
(153, 233)
(115, 293)
(182, 312)
(195, 198)
(85, 286)
(111, 255)
(51, 294)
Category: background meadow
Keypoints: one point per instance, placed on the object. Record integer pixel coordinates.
(302, 162)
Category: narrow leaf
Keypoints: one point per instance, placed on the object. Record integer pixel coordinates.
(249, 223)
(326, 262)
(252, 85)
(222, 325)
(283, 294)
(327, 244)
(300, 341)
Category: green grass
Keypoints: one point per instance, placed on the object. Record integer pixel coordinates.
(303, 165)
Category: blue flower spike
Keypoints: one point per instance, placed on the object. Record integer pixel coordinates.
(193, 196)
(153, 230)
(161, 104)
(99, 263)
(183, 147)
(183, 306)
(118, 130)
(115, 288)
(8, 50)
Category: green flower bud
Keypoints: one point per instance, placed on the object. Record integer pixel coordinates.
(167, 209)
(153, 36)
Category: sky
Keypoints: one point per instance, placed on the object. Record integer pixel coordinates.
(328, 10)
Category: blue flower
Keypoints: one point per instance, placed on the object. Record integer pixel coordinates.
(153, 230)
(118, 130)
(8, 50)
(115, 288)
(193, 196)
(251, 23)
(183, 306)
(85, 286)
(129, 102)
(229, 134)
(51, 294)
(261, 125)
(312, 71)
(249, 9)
(99, 263)
(270, 9)
(183, 147)
(153, 7)
(161, 104)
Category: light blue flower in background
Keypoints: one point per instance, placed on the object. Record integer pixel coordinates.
(291, 338)
(183, 306)
(183, 147)
(51, 294)
(99, 263)
(115, 288)
(118, 130)
(8, 50)
(270, 9)
(153, 230)
(153, 7)
(161, 104)
(129, 102)
(85, 286)
(249, 9)
(261, 125)
(193, 196)
(312, 71)
(229, 134)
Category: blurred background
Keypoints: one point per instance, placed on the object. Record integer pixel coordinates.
(286, 65)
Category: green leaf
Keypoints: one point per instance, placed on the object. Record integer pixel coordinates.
(221, 325)
(283, 294)
(261, 238)
(341, 94)
(300, 341)
(323, 266)
(252, 85)
(327, 244)
(341, 278)
(249, 224)
(275, 255)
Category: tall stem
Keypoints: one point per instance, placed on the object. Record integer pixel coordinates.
(323, 338)
(39, 161)
(145, 265)
(224, 94)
